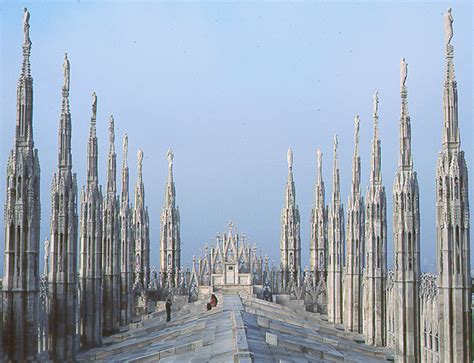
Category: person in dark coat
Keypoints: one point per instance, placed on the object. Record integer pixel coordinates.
(168, 309)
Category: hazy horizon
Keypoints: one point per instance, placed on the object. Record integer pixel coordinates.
(230, 86)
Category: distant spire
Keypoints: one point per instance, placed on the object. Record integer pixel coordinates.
(65, 127)
(92, 148)
(170, 189)
(405, 161)
(112, 166)
(125, 177)
(451, 137)
(335, 180)
(356, 159)
(290, 185)
(375, 172)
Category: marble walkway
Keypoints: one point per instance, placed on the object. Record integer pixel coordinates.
(239, 329)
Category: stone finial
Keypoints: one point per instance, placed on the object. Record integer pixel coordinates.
(26, 26)
(335, 144)
(170, 157)
(375, 99)
(66, 70)
(448, 26)
(403, 73)
(289, 157)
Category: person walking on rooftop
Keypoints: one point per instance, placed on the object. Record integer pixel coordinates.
(168, 309)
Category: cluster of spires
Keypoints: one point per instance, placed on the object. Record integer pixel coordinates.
(114, 238)
(101, 294)
(355, 291)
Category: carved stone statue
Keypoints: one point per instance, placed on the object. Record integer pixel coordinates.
(448, 26)
(26, 25)
(335, 142)
(357, 129)
(403, 72)
(66, 72)
(170, 157)
(94, 104)
(289, 157)
(111, 129)
(140, 158)
(375, 99)
(125, 146)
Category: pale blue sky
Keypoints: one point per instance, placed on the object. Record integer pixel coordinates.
(229, 86)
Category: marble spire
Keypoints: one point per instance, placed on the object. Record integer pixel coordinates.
(111, 243)
(452, 225)
(319, 214)
(170, 243)
(63, 242)
(376, 245)
(141, 223)
(355, 245)
(336, 247)
(290, 242)
(22, 215)
(406, 238)
(90, 258)
(126, 244)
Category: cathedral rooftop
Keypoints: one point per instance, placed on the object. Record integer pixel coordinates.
(239, 329)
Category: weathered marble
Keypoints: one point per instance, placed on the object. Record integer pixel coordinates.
(126, 244)
(355, 245)
(290, 241)
(452, 225)
(170, 241)
(90, 258)
(62, 272)
(141, 227)
(111, 243)
(375, 274)
(22, 226)
(318, 254)
(336, 247)
(406, 241)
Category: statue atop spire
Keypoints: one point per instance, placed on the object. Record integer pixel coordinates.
(403, 73)
(111, 130)
(139, 166)
(448, 27)
(356, 133)
(26, 26)
(335, 144)
(66, 68)
(94, 105)
(125, 149)
(170, 157)
(289, 156)
(140, 159)
(319, 156)
(375, 99)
